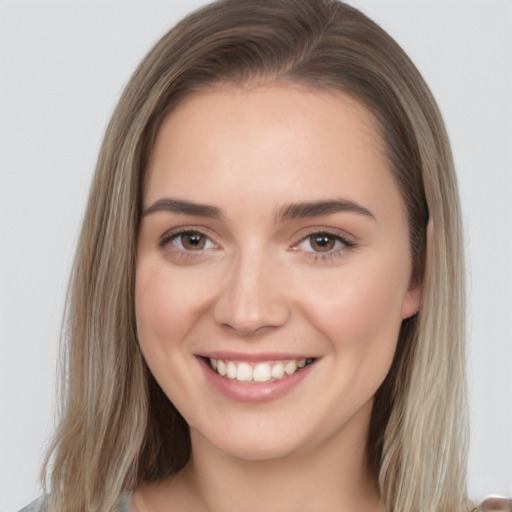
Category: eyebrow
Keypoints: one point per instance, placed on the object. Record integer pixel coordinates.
(184, 208)
(288, 212)
(317, 208)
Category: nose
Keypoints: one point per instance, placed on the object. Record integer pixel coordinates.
(254, 298)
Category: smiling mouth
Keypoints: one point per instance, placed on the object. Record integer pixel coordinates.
(260, 372)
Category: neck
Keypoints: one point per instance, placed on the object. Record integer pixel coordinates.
(328, 475)
(301, 482)
(332, 475)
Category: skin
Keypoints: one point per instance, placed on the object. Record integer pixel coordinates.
(260, 284)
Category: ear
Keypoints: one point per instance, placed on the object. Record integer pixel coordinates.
(412, 299)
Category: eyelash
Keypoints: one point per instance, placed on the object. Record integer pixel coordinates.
(330, 254)
(170, 237)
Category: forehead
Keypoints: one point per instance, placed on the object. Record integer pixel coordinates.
(286, 102)
(235, 140)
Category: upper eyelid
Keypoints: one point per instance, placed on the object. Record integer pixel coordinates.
(327, 233)
(174, 232)
(343, 246)
(167, 243)
(303, 234)
(337, 233)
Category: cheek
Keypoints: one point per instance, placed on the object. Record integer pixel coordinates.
(165, 307)
(168, 307)
(360, 315)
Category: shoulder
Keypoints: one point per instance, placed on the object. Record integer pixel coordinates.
(35, 506)
(495, 503)
(123, 505)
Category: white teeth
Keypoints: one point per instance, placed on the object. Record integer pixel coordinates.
(291, 367)
(262, 372)
(244, 372)
(221, 367)
(231, 370)
(278, 371)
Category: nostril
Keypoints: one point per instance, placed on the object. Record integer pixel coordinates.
(248, 330)
(250, 316)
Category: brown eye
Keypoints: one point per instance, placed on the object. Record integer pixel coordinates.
(322, 242)
(187, 241)
(192, 241)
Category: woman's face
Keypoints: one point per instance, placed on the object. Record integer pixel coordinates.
(273, 247)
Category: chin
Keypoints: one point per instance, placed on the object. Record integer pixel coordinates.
(267, 443)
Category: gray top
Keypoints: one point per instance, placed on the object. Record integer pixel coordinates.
(35, 506)
(123, 505)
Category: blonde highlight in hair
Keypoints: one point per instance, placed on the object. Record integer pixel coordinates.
(118, 429)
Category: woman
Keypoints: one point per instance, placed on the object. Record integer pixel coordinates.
(271, 231)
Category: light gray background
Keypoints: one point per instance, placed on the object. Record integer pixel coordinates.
(62, 67)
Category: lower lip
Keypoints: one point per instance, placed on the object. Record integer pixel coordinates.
(255, 392)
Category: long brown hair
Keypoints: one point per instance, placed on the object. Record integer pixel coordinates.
(117, 428)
